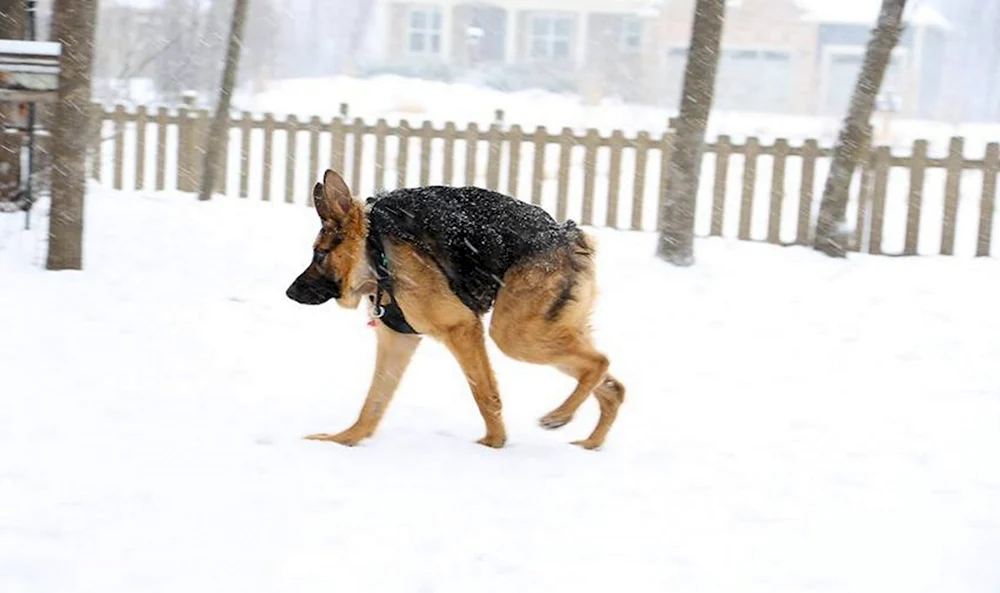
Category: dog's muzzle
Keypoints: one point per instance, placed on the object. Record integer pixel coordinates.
(313, 289)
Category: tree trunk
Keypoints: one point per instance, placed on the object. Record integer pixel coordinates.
(855, 133)
(73, 27)
(676, 243)
(11, 19)
(219, 131)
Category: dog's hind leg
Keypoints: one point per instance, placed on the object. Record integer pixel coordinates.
(395, 351)
(542, 316)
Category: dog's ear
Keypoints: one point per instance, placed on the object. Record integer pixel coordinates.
(332, 197)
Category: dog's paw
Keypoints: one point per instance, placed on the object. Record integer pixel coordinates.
(341, 438)
(588, 444)
(493, 441)
(554, 420)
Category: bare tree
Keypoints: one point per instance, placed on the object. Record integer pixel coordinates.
(220, 123)
(856, 130)
(73, 27)
(11, 19)
(676, 243)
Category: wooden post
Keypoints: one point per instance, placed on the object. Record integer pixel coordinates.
(614, 177)
(591, 142)
(810, 150)
(514, 162)
(987, 204)
(338, 148)
(119, 144)
(538, 169)
(777, 191)
(381, 132)
(749, 187)
(268, 156)
(402, 157)
(96, 143)
(161, 148)
(140, 147)
(450, 134)
(291, 137)
(314, 126)
(246, 131)
(565, 154)
(357, 153)
(723, 149)
(639, 178)
(471, 150)
(883, 161)
(426, 135)
(952, 185)
(494, 148)
(917, 165)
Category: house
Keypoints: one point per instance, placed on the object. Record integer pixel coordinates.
(780, 56)
(537, 42)
(803, 56)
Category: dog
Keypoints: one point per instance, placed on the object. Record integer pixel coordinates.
(432, 261)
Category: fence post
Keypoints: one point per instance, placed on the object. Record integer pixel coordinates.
(291, 143)
(917, 165)
(810, 150)
(591, 142)
(987, 205)
(96, 129)
(749, 187)
(119, 144)
(882, 162)
(246, 130)
(162, 115)
(186, 145)
(639, 179)
(777, 191)
(566, 142)
(723, 147)
(614, 176)
(951, 188)
(140, 147)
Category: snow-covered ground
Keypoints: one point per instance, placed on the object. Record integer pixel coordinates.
(793, 423)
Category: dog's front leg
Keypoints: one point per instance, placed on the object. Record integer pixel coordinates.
(395, 351)
(467, 344)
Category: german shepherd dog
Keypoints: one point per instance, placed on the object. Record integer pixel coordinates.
(432, 261)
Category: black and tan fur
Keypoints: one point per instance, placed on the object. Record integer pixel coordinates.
(541, 315)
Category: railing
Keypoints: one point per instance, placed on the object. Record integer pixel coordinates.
(900, 204)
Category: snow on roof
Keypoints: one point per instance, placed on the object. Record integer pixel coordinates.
(866, 12)
(37, 48)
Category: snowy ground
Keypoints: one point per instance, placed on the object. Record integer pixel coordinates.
(792, 424)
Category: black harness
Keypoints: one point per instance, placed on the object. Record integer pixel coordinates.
(390, 314)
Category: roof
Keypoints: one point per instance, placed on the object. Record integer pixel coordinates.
(865, 12)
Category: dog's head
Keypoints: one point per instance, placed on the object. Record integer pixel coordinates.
(337, 267)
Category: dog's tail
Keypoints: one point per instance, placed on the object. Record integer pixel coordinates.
(584, 244)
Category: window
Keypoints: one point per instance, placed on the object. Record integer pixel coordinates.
(424, 35)
(631, 35)
(550, 37)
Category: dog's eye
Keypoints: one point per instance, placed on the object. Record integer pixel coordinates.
(319, 255)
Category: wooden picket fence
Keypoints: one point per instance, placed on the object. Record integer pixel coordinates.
(162, 149)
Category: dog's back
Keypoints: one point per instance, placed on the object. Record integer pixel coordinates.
(474, 235)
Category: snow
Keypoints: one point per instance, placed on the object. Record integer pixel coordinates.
(792, 423)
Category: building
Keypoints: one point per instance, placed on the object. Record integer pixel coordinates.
(785, 56)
